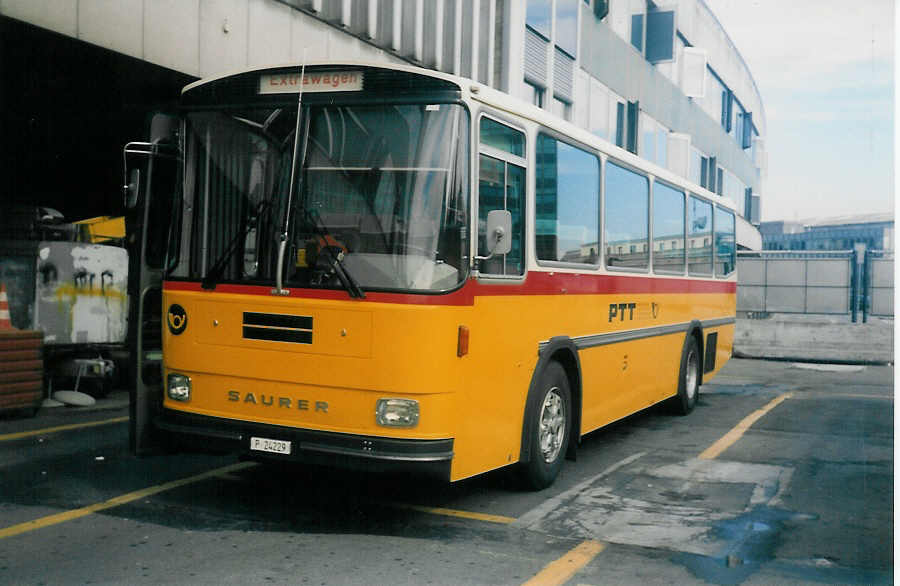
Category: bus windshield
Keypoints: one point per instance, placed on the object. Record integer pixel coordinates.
(380, 189)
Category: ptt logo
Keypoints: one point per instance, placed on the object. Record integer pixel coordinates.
(176, 318)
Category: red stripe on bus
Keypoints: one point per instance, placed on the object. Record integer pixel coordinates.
(537, 283)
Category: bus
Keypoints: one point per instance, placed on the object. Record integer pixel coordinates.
(388, 267)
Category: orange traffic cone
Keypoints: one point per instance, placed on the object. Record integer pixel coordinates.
(5, 323)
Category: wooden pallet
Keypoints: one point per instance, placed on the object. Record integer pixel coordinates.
(21, 369)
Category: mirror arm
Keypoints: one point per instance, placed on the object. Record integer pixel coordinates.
(499, 234)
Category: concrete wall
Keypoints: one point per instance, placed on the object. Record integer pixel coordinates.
(815, 338)
(197, 37)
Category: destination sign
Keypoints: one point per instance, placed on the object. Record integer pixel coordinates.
(320, 81)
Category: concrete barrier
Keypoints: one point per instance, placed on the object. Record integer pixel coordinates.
(815, 338)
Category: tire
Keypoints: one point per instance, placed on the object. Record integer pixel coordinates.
(688, 379)
(549, 424)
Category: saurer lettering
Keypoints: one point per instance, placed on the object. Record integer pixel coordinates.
(283, 402)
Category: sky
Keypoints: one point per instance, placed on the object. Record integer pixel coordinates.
(825, 69)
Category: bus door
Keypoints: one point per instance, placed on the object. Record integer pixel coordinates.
(150, 189)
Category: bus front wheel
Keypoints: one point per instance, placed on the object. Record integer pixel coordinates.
(550, 424)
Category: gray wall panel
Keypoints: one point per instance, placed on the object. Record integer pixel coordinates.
(751, 298)
(751, 271)
(828, 272)
(822, 300)
(882, 302)
(786, 272)
(882, 273)
(785, 299)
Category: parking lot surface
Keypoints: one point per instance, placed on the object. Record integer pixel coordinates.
(783, 474)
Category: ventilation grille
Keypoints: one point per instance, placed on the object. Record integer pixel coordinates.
(535, 58)
(274, 327)
(563, 76)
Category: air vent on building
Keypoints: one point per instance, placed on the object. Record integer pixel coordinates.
(563, 76)
(535, 58)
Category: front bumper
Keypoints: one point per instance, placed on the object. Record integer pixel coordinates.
(341, 450)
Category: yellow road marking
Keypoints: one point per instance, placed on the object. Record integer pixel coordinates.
(724, 442)
(561, 570)
(455, 513)
(117, 501)
(46, 430)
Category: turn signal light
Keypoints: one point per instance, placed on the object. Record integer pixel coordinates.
(462, 341)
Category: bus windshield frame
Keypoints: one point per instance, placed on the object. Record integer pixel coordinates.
(382, 188)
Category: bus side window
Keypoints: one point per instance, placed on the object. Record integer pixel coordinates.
(501, 186)
(725, 248)
(627, 211)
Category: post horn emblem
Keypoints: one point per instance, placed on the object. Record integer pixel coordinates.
(176, 318)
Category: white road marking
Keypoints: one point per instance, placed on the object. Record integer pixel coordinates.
(828, 367)
(672, 506)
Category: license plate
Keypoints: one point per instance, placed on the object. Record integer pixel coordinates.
(262, 444)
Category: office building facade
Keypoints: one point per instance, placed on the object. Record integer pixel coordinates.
(661, 80)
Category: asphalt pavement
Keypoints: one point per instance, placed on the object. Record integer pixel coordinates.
(782, 475)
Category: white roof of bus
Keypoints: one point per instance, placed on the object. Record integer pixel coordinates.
(502, 101)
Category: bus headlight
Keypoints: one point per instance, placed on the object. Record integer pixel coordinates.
(397, 412)
(179, 387)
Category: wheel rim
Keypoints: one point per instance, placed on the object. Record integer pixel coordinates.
(690, 376)
(552, 425)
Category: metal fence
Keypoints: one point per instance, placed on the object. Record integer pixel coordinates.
(850, 282)
(880, 283)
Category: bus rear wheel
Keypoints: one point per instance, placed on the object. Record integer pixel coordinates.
(550, 424)
(688, 379)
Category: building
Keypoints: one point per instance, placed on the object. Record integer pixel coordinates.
(876, 231)
(662, 80)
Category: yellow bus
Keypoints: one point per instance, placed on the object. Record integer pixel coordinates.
(391, 267)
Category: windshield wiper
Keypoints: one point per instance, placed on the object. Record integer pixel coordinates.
(215, 272)
(337, 258)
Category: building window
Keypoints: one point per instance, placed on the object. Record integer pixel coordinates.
(538, 15)
(537, 94)
(696, 166)
(653, 142)
(620, 124)
(566, 25)
(637, 32)
(561, 108)
(708, 173)
(598, 114)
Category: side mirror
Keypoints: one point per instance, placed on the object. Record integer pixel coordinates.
(130, 190)
(498, 233)
(139, 156)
